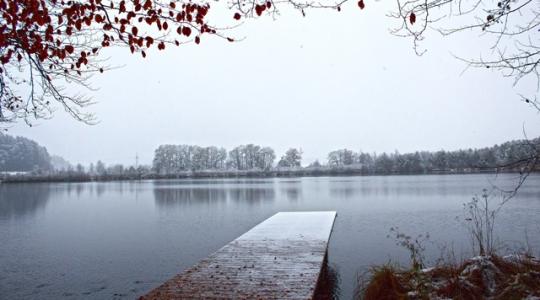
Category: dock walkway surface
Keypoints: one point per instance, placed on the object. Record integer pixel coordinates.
(281, 258)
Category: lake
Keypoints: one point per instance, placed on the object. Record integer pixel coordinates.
(118, 240)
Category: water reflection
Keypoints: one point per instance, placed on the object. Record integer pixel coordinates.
(132, 233)
(329, 282)
(178, 182)
(292, 193)
(392, 186)
(166, 197)
(76, 188)
(19, 200)
(251, 196)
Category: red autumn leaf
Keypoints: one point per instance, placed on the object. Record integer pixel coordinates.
(268, 4)
(173, 6)
(361, 4)
(134, 30)
(237, 16)
(197, 40)
(259, 9)
(149, 41)
(412, 18)
(143, 54)
(69, 49)
(186, 31)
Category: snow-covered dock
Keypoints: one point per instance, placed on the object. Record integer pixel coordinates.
(281, 258)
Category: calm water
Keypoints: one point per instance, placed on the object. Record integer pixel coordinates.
(120, 239)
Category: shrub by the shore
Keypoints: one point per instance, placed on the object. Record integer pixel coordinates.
(483, 277)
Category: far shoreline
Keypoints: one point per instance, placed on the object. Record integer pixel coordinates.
(254, 174)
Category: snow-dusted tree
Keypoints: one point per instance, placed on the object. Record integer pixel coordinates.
(342, 157)
(91, 169)
(100, 168)
(59, 163)
(315, 164)
(250, 156)
(170, 159)
(79, 169)
(22, 154)
(116, 169)
(291, 159)
(265, 158)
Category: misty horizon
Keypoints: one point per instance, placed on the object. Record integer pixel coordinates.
(304, 162)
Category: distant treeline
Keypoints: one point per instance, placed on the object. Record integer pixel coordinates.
(504, 156)
(173, 159)
(191, 161)
(179, 159)
(18, 154)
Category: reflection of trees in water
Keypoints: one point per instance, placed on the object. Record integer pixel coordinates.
(188, 196)
(76, 188)
(100, 188)
(389, 186)
(344, 192)
(345, 188)
(211, 182)
(251, 195)
(328, 284)
(20, 199)
(197, 196)
(292, 193)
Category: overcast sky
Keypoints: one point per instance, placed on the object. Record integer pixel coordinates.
(328, 81)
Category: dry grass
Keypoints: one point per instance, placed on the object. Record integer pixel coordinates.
(494, 277)
(519, 277)
(385, 284)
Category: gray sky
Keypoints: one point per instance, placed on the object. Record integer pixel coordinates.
(328, 81)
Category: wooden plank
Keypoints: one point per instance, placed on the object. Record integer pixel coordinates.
(280, 258)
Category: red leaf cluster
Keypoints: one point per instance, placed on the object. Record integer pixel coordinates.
(52, 31)
(260, 8)
(412, 18)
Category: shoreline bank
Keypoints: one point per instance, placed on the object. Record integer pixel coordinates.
(31, 178)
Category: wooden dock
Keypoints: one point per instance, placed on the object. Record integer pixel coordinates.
(281, 258)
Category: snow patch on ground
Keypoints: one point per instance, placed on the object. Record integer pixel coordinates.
(487, 277)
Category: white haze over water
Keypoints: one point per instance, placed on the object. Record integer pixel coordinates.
(328, 81)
